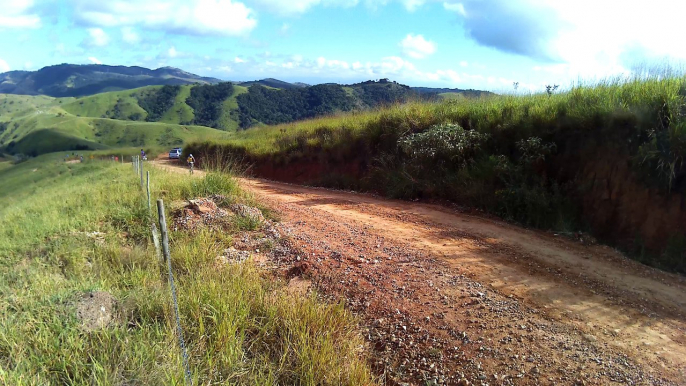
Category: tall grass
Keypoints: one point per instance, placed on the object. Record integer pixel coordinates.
(241, 326)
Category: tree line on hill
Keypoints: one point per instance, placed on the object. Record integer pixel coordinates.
(264, 105)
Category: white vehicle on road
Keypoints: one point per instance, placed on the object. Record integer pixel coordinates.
(175, 153)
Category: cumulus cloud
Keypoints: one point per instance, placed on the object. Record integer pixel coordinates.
(455, 7)
(417, 47)
(94, 60)
(585, 36)
(412, 5)
(19, 14)
(4, 67)
(194, 17)
(129, 35)
(96, 38)
(296, 7)
(238, 60)
(524, 27)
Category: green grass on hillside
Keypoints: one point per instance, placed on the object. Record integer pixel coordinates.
(38, 125)
(116, 105)
(229, 115)
(452, 95)
(240, 326)
(180, 111)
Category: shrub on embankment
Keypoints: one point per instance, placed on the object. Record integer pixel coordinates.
(607, 158)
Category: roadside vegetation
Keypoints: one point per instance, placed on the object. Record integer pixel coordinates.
(539, 160)
(71, 230)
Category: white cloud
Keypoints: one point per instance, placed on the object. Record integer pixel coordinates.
(417, 47)
(94, 60)
(412, 5)
(602, 41)
(464, 64)
(238, 60)
(339, 70)
(455, 7)
(585, 38)
(130, 36)
(296, 7)
(194, 17)
(285, 27)
(96, 38)
(172, 52)
(28, 65)
(18, 14)
(4, 67)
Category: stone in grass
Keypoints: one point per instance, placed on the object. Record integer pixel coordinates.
(247, 211)
(232, 255)
(96, 310)
(202, 206)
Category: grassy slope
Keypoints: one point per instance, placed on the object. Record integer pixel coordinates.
(229, 117)
(103, 105)
(528, 114)
(180, 112)
(451, 95)
(100, 105)
(240, 327)
(53, 121)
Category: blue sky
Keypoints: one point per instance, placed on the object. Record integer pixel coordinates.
(482, 44)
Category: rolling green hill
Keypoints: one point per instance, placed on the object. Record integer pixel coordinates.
(172, 114)
(230, 107)
(35, 125)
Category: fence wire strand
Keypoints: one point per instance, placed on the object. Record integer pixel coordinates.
(165, 251)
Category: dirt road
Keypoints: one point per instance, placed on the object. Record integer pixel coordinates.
(450, 298)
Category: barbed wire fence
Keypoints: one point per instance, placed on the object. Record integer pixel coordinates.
(160, 239)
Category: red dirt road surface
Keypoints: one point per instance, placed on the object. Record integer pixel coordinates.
(450, 298)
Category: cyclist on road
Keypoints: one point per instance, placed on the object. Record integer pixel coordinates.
(191, 162)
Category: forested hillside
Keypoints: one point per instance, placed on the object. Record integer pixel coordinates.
(229, 107)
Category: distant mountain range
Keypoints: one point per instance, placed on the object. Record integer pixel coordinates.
(73, 80)
(274, 83)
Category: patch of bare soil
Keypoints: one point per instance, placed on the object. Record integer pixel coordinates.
(96, 310)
